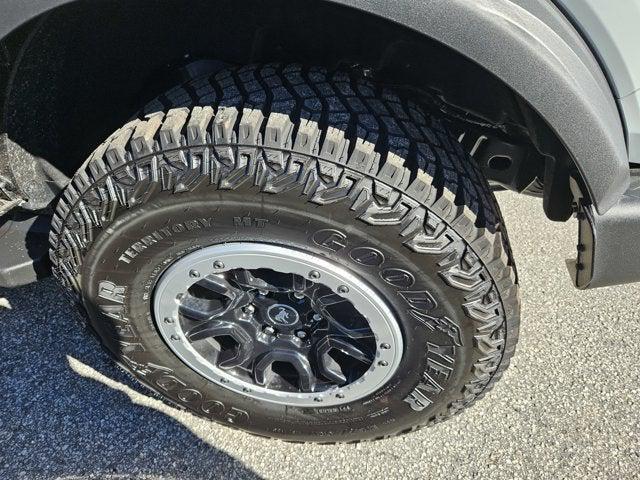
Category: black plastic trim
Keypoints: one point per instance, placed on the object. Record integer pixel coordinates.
(609, 244)
(24, 240)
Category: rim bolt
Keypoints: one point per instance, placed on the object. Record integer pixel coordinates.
(168, 320)
(343, 289)
(194, 273)
(218, 265)
(249, 309)
(340, 395)
(175, 337)
(269, 330)
(314, 274)
(317, 399)
(383, 363)
(385, 346)
(301, 334)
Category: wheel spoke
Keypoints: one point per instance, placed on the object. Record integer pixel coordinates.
(218, 284)
(328, 366)
(264, 374)
(354, 333)
(322, 300)
(350, 350)
(244, 278)
(331, 369)
(260, 301)
(243, 354)
(214, 329)
(207, 329)
(199, 309)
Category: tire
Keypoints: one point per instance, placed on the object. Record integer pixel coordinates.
(326, 164)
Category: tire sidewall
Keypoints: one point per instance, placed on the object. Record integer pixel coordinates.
(118, 289)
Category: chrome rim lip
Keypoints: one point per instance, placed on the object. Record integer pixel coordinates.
(178, 278)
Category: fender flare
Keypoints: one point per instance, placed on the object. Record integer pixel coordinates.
(529, 45)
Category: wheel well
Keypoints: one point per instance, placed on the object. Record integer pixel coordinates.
(80, 71)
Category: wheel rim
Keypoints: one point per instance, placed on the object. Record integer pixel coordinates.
(277, 324)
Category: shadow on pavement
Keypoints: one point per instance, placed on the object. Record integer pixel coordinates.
(57, 423)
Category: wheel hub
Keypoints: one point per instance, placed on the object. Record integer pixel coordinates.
(282, 315)
(277, 324)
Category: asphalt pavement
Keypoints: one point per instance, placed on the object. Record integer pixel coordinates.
(568, 407)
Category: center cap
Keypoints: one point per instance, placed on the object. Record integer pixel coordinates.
(281, 314)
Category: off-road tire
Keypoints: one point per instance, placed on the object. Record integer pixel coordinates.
(278, 154)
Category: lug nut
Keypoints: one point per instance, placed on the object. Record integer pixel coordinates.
(194, 273)
(269, 330)
(218, 265)
(249, 309)
(317, 317)
(301, 334)
(314, 274)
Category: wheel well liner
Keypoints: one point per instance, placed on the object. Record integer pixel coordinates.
(529, 45)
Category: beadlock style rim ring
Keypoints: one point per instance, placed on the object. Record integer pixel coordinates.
(218, 259)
